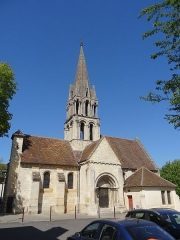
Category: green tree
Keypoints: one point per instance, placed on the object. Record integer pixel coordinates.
(7, 90)
(171, 171)
(3, 168)
(165, 18)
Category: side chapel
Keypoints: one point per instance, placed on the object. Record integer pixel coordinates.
(84, 169)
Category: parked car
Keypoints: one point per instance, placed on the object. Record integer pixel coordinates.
(128, 229)
(168, 219)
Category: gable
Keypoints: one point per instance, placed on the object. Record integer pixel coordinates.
(100, 152)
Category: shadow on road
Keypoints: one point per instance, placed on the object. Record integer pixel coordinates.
(31, 233)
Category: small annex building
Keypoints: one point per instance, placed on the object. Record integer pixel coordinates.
(84, 169)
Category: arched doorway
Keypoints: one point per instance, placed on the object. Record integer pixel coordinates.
(106, 191)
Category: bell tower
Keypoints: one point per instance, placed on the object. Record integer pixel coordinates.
(82, 124)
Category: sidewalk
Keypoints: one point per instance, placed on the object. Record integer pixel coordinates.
(54, 217)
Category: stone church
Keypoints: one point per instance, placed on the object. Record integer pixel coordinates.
(84, 170)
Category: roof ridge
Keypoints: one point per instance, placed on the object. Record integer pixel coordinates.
(145, 151)
(53, 138)
(119, 138)
(158, 176)
(167, 180)
(134, 180)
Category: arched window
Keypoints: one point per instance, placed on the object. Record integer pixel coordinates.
(82, 131)
(46, 180)
(86, 107)
(95, 110)
(70, 181)
(91, 132)
(77, 106)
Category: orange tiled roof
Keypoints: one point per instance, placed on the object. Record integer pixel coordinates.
(47, 151)
(59, 152)
(145, 178)
(131, 153)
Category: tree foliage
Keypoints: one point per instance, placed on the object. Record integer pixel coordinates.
(166, 27)
(3, 166)
(7, 90)
(3, 169)
(171, 172)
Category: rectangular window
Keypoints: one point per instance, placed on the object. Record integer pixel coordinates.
(169, 197)
(163, 197)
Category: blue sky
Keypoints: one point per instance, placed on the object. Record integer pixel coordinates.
(41, 40)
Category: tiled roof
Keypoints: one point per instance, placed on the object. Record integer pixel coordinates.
(59, 152)
(42, 150)
(145, 178)
(77, 155)
(131, 153)
(89, 150)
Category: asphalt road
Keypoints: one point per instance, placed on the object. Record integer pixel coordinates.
(42, 230)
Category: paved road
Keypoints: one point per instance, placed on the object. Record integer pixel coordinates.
(41, 230)
(38, 227)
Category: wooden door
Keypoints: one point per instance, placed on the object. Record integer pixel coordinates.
(103, 198)
(130, 202)
(9, 205)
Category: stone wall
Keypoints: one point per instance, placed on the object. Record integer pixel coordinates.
(150, 198)
(103, 162)
(30, 194)
(12, 174)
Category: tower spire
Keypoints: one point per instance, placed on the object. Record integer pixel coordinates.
(81, 79)
(82, 124)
